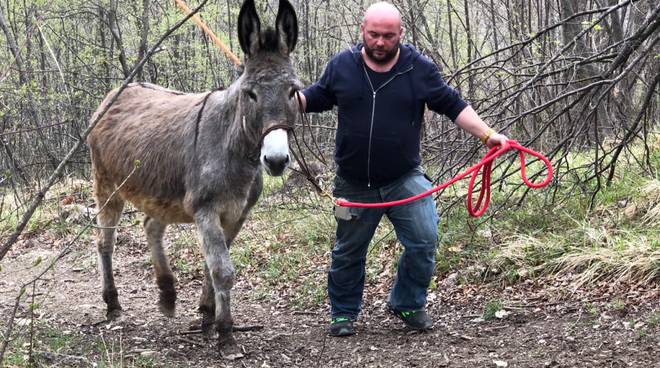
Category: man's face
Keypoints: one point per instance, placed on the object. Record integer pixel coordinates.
(381, 37)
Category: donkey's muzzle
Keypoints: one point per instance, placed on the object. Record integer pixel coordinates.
(275, 165)
(275, 152)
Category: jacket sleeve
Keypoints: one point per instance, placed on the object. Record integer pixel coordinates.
(439, 96)
(320, 95)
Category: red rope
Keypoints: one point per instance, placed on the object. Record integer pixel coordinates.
(485, 166)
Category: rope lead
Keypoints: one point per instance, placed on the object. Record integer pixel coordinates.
(486, 167)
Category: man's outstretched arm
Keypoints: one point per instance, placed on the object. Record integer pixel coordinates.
(470, 121)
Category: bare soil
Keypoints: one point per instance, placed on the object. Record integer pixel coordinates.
(550, 323)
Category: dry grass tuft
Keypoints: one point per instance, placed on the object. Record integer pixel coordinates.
(634, 261)
(650, 203)
(590, 254)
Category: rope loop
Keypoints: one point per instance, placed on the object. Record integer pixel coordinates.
(485, 167)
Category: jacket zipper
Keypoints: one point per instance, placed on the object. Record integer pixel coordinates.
(373, 113)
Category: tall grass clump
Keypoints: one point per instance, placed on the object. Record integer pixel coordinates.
(612, 236)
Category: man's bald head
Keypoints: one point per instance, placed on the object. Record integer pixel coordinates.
(381, 32)
(382, 11)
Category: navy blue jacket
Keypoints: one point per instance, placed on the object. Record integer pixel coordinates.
(378, 132)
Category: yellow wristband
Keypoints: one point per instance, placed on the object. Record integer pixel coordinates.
(484, 138)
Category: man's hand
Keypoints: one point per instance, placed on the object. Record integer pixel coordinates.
(469, 121)
(496, 139)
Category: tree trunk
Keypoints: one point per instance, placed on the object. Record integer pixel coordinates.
(13, 47)
(144, 35)
(113, 23)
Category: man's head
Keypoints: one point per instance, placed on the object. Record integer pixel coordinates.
(381, 32)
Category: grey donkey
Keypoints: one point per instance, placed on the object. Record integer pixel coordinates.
(201, 158)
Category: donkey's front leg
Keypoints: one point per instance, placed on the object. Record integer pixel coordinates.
(221, 271)
(207, 300)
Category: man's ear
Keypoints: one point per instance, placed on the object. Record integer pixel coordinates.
(403, 32)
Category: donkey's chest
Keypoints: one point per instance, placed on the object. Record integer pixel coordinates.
(230, 211)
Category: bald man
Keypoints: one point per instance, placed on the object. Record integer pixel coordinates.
(381, 88)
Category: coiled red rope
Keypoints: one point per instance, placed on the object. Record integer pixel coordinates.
(485, 166)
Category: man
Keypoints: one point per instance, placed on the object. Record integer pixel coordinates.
(380, 88)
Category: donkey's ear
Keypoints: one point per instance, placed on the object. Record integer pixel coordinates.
(287, 27)
(249, 28)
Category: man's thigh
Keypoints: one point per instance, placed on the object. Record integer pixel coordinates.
(415, 222)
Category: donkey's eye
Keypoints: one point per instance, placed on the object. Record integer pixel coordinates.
(251, 94)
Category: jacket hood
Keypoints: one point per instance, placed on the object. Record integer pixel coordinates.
(407, 55)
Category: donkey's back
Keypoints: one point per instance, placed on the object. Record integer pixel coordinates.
(138, 148)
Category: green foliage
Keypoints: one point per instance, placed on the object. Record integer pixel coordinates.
(46, 340)
(312, 293)
(617, 305)
(592, 309)
(491, 309)
(16, 359)
(654, 319)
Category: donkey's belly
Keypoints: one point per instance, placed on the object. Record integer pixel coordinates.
(165, 211)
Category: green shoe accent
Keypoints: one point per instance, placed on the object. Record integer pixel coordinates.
(339, 320)
(406, 314)
(341, 326)
(415, 319)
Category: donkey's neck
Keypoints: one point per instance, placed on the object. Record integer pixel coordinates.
(242, 141)
(221, 149)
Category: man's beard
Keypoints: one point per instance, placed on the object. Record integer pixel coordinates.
(381, 59)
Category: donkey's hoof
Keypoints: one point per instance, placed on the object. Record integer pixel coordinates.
(113, 314)
(204, 326)
(167, 309)
(228, 348)
(167, 297)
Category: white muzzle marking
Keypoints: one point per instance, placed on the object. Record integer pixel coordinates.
(275, 152)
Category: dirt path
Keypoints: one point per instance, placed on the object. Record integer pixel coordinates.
(549, 325)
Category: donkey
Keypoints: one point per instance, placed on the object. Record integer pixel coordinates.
(201, 157)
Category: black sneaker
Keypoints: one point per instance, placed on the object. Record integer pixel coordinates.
(341, 326)
(417, 320)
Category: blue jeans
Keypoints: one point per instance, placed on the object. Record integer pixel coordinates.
(416, 226)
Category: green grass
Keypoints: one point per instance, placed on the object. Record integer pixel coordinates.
(285, 250)
(592, 309)
(52, 216)
(52, 346)
(288, 238)
(617, 305)
(654, 320)
(491, 309)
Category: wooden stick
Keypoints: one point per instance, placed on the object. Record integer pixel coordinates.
(208, 31)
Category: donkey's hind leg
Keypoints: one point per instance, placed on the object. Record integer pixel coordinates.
(110, 207)
(164, 276)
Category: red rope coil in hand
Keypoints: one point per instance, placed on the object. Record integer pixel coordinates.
(485, 166)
